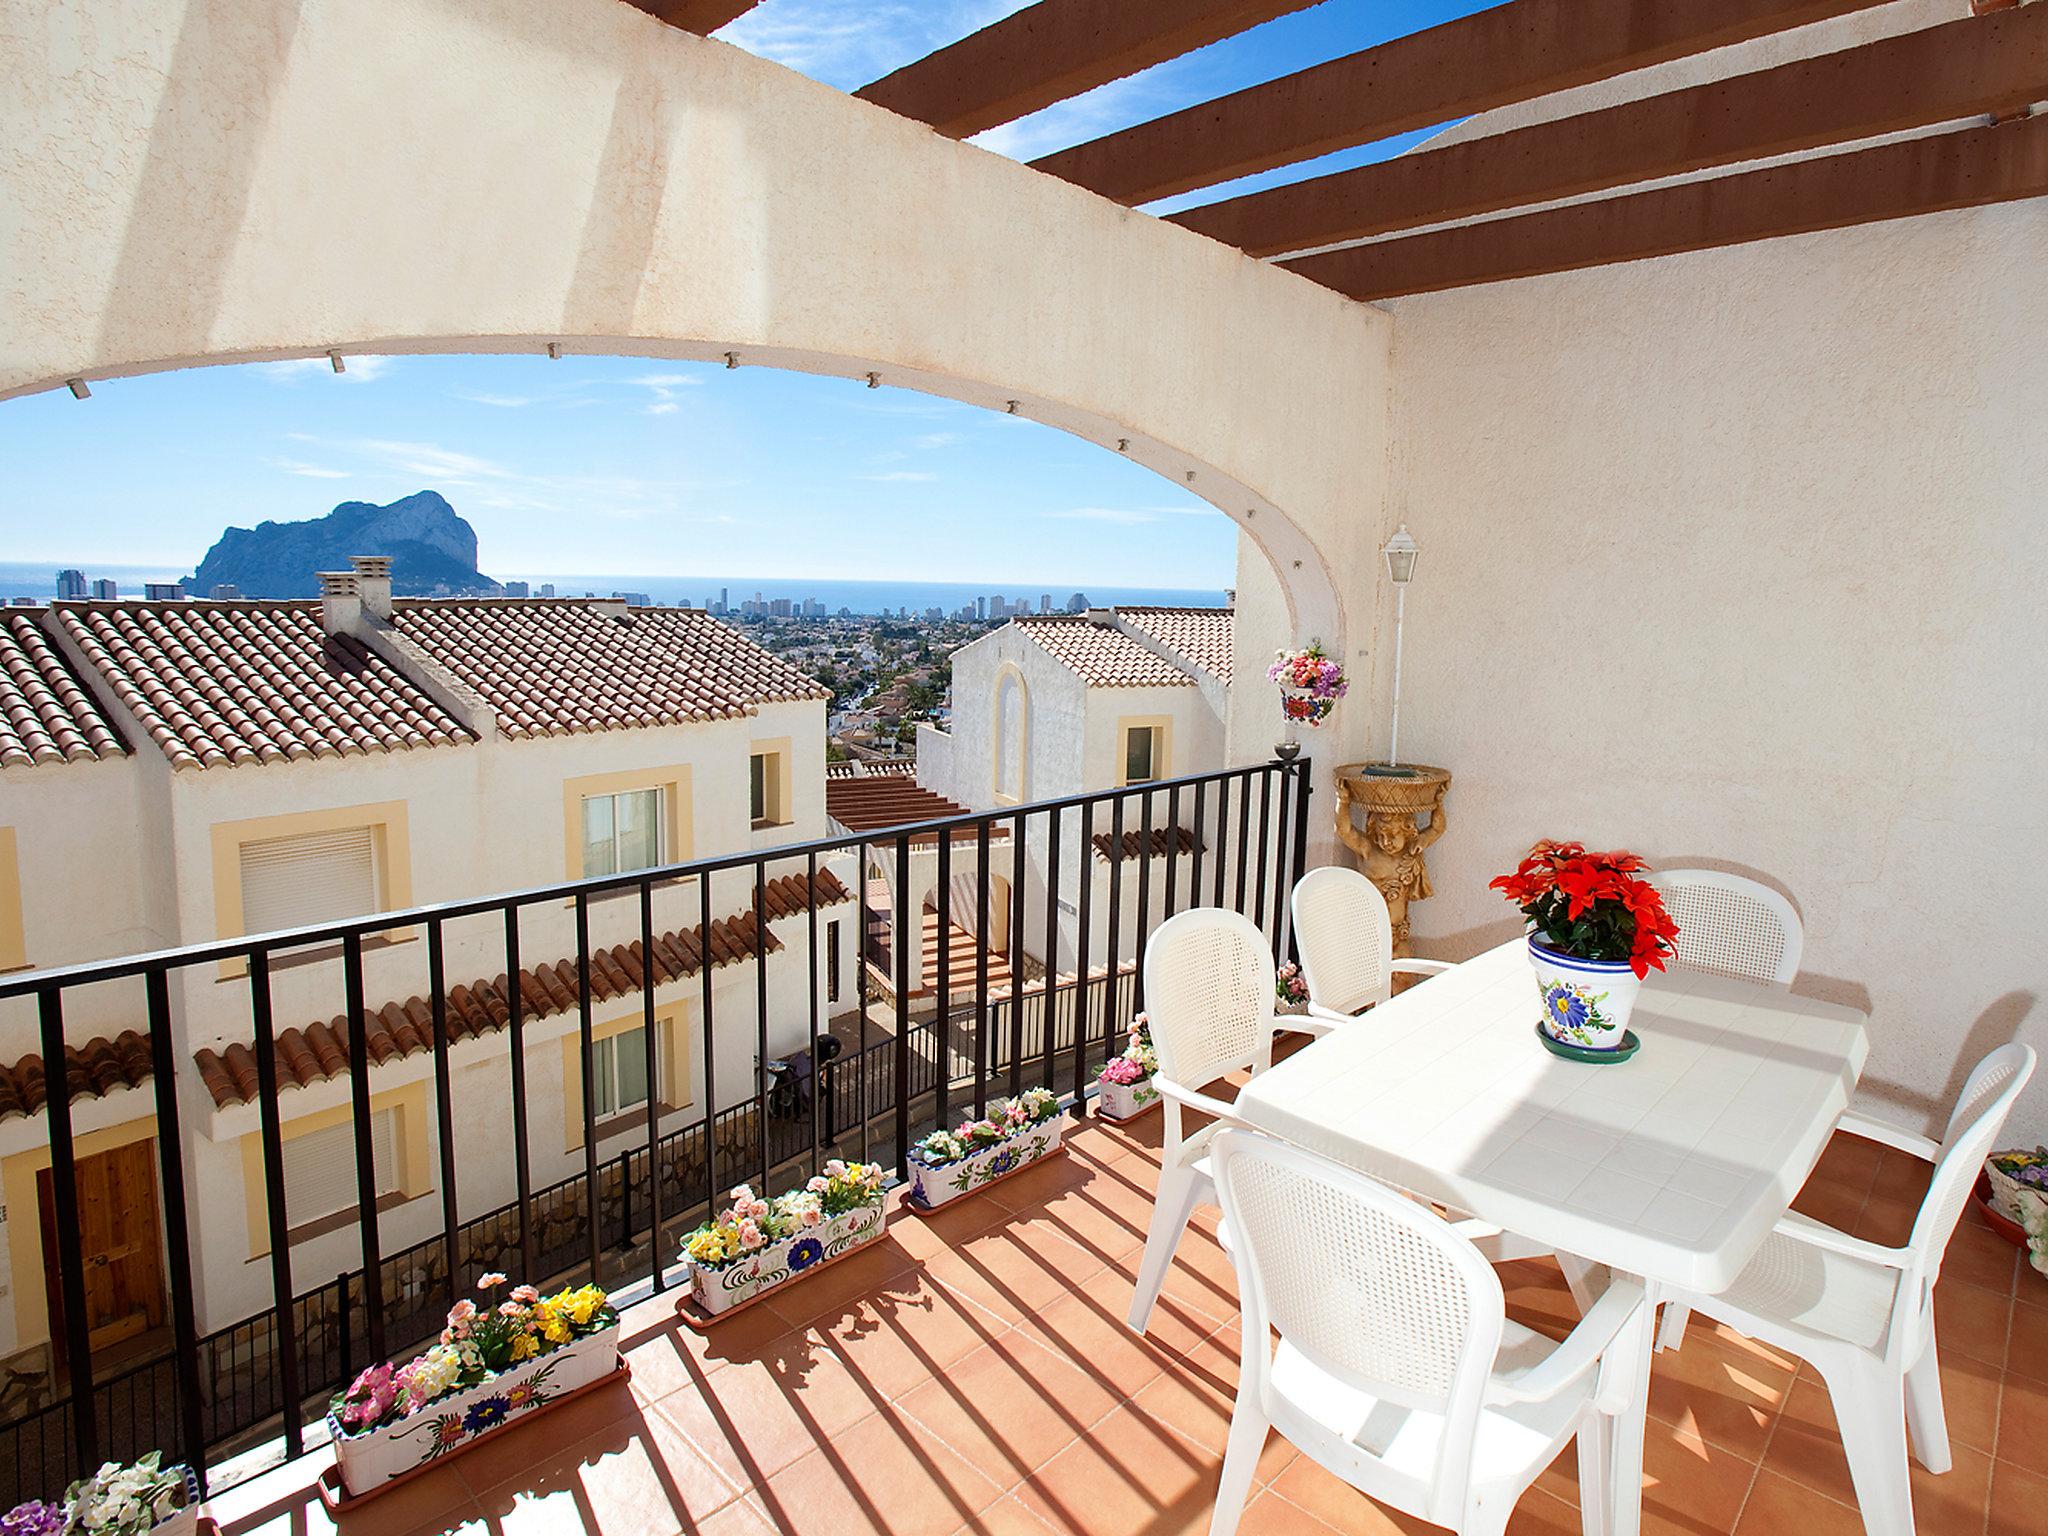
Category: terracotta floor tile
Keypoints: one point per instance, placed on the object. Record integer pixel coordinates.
(1689, 1486)
(1724, 1395)
(1128, 1473)
(1901, 1176)
(433, 1501)
(1338, 1505)
(2019, 1502)
(2029, 1342)
(1010, 1407)
(1270, 1515)
(753, 1420)
(1835, 1203)
(1780, 1507)
(1089, 1329)
(1979, 1256)
(1807, 1449)
(1079, 1161)
(1008, 1516)
(2023, 1424)
(1196, 1395)
(1851, 1161)
(885, 1475)
(639, 1477)
(1013, 1270)
(1969, 1396)
(1971, 1321)
(1201, 1278)
(906, 1333)
(841, 1284)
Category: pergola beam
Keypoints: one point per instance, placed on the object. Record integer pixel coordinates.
(1990, 65)
(1054, 50)
(695, 15)
(1493, 58)
(1936, 174)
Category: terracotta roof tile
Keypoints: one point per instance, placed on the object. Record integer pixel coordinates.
(552, 667)
(786, 894)
(877, 804)
(46, 714)
(320, 1051)
(95, 1069)
(1201, 635)
(1185, 842)
(1103, 656)
(219, 684)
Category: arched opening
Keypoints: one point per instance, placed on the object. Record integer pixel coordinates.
(1012, 736)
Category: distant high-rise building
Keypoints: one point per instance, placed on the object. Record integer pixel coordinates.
(813, 609)
(724, 599)
(1045, 602)
(547, 589)
(635, 599)
(224, 591)
(71, 585)
(981, 607)
(22, 602)
(1078, 603)
(162, 591)
(517, 589)
(779, 608)
(105, 590)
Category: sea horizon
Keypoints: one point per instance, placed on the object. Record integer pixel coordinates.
(37, 580)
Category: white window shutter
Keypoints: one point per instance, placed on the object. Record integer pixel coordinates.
(320, 1167)
(315, 877)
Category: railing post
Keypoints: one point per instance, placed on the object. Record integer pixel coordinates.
(343, 1340)
(287, 1325)
(761, 1016)
(650, 978)
(626, 1197)
(444, 1108)
(366, 1150)
(85, 1437)
(1300, 842)
(1084, 916)
(585, 1045)
(710, 1121)
(522, 1159)
(981, 1043)
(1049, 1011)
(170, 1148)
(1019, 863)
(942, 984)
(902, 958)
(817, 1066)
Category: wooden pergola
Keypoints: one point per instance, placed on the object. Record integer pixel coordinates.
(1917, 123)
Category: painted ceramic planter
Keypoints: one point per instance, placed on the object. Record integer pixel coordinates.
(721, 1288)
(1585, 1002)
(1126, 1101)
(934, 1186)
(452, 1424)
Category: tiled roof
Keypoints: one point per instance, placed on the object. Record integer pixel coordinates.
(1102, 655)
(1133, 842)
(229, 683)
(320, 1051)
(876, 804)
(95, 1068)
(550, 667)
(786, 894)
(1202, 635)
(46, 714)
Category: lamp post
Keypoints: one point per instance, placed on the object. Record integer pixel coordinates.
(1400, 551)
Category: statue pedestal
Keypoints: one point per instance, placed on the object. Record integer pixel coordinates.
(1403, 814)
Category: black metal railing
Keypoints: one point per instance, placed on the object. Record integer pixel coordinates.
(944, 1047)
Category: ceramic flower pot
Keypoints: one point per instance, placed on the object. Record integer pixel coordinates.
(1126, 1101)
(1585, 1002)
(720, 1288)
(457, 1420)
(935, 1184)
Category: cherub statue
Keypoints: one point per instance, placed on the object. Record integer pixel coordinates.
(1391, 847)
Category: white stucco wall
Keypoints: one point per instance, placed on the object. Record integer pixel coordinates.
(1735, 559)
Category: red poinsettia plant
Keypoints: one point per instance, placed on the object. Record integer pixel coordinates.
(1592, 906)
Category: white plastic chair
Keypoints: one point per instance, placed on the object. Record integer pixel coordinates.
(1346, 942)
(1863, 1314)
(1209, 1001)
(1397, 1368)
(1731, 926)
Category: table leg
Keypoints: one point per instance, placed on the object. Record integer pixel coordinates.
(1625, 1451)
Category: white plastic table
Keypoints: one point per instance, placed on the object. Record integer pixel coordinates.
(1671, 1166)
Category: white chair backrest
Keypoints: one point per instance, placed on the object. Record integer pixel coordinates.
(1730, 926)
(1973, 1131)
(1209, 995)
(1345, 937)
(1373, 1288)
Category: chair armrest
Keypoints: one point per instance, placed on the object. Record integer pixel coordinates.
(1804, 1229)
(1326, 1015)
(1215, 1108)
(1577, 1353)
(1419, 967)
(1310, 1023)
(1890, 1136)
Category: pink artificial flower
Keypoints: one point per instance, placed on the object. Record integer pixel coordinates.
(819, 1184)
(812, 1216)
(750, 1235)
(490, 1281)
(510, 1309)
(525, 1294)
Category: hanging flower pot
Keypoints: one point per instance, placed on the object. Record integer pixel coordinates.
(1311, 683)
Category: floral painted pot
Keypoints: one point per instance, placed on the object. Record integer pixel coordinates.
(454, 1422)
(1126, 1101)
(1585, 1002)
(720, 1288)
(935, 1184)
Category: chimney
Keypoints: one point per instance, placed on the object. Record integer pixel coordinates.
(341, 606)
(1106, 617)
(373, 583)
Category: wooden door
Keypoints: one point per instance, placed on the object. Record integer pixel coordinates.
(117, 1225)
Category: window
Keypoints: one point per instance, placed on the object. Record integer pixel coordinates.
(320, 1168)
(313, 877)
(768, 786)
(1012, 727)
(1141, 750)
(621, 831)
(832, 961)
(618, 1072)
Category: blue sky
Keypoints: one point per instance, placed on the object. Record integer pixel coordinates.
(631, 466)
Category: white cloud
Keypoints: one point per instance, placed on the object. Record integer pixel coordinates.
(362, 370)
(661, 408)
(900, 475)
(940, 439)
(503, 402)
(310, 471)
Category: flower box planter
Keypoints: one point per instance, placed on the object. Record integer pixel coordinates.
(932, 1185)
(718, 1289)
(1126, 1101)
(378, 1459)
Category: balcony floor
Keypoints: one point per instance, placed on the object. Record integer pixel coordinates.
(972, 1372)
